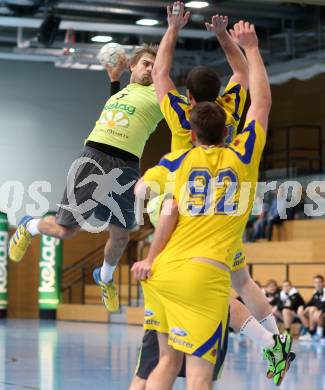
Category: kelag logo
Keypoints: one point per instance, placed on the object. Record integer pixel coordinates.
(3, 267)
(121, 106)
(47, 264)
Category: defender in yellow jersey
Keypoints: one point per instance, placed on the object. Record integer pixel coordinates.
(99, 192)
(208, 227)
(208, 182)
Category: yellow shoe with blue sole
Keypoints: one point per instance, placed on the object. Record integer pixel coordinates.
(20, 241)
(109, 292)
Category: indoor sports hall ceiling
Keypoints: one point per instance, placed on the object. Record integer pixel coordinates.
(288, 30)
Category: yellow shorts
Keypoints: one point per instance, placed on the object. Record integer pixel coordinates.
(188, 300)
(239, 259)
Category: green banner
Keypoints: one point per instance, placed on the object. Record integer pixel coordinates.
(3, 260)
(50, 264)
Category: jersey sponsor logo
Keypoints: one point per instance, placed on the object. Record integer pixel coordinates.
(121, 106)
(152, 322)
(114, 118)
(184, 343)
(179, 332)
(238, 262)
(238, 255)
(148, 313)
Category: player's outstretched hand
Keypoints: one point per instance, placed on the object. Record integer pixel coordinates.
(218, 24)
(244, 35)
(142, 269)
(176, 15)
(114, 73)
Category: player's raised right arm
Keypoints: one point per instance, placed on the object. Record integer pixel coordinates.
(259, 85)
(161, 70)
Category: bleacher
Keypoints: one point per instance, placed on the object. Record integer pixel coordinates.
(297, 252)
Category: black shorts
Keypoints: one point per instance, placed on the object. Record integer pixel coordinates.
(149, 356)
(100, 190)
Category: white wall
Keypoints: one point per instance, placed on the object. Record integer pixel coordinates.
(45, 115)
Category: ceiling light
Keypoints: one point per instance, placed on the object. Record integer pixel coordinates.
(197, 4)
(102, 38)
(147, 22)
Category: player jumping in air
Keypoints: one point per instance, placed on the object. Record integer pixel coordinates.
(101, 185)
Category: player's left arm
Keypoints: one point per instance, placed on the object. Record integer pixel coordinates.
(177, 18)
(235, 57)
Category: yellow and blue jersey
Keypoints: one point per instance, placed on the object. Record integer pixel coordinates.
(214, 188)
(176, 110)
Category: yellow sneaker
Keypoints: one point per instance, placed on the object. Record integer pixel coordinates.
(109, 292)
(20, 241)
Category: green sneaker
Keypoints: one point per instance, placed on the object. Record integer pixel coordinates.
(279, 358)
(270, 369)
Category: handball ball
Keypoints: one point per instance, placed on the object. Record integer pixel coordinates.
(110, 53)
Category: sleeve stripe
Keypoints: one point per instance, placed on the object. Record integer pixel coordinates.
(235, 90)
(172, 166)
(249, 145)
(174, 102)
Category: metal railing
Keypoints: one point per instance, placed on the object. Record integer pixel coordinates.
(76, 276)
(291, 155)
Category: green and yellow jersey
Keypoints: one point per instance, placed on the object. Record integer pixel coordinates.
(128, 119)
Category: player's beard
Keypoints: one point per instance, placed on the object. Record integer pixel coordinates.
(146, 80)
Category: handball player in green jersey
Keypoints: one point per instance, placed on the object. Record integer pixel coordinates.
(100, 185)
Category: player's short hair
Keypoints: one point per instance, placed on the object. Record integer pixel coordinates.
(208, 122)
(319, 277)
(203, 83)
(145, 49)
